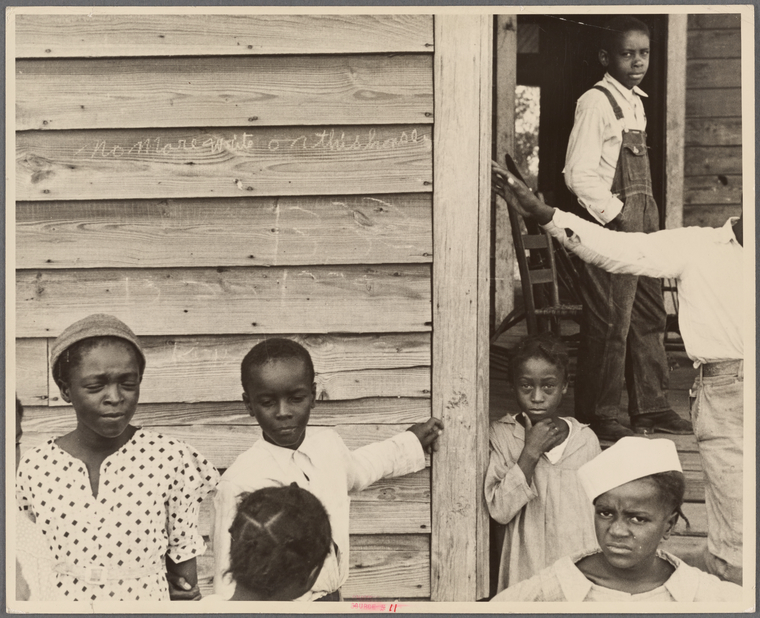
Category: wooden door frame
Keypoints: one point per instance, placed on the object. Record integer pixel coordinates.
(461, 286)
(505, 58)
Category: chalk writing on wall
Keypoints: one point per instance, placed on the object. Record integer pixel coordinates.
(329, 140)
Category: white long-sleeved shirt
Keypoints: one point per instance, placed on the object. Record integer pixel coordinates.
(322, 465)
(594, 146)
(707, 262)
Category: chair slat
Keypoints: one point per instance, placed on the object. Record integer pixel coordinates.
(543, 275)
(531, 241)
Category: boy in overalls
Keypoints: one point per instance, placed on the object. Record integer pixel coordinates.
(607, 168)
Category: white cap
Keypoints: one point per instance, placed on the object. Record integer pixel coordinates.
(630, 458)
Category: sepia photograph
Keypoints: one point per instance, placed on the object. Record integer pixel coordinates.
(402, 309)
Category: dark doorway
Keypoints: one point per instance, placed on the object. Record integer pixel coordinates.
(558, 55)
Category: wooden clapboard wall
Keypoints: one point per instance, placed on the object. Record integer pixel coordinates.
(214, 179)
(713, 132)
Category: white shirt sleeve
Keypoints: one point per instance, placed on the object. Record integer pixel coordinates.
(402, 454)
(659, 254)
(584, 153)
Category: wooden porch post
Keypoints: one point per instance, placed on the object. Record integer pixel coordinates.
(675, 120)
(461, 239)
(504, 120)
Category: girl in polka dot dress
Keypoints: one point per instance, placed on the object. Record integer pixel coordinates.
(118, 504)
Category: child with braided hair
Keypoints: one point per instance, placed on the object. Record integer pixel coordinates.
(280, 538)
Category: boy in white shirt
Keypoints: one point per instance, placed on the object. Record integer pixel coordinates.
(279, 391)
(607, 168)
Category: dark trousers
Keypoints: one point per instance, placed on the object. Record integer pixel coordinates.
(622, 334)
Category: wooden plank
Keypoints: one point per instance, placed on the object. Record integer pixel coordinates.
(391, 566)
(715, 103)
(278, 231)
(714, 131)
(718, 189)
(710, 215)
(222, 444)
(688, 548)
(504, 110)
(722, 43)
(390, 410)
(462, 70)
(228, 301)
(376, 517)
(714, 20)
(237, 162)
(714, 73)
(675, 101)
(696, 512)
(707, 160)
(98, 34)
(204, 368)
(32, 371)
(389, 517)
(695, 486)
(222, 92)
(685, 443)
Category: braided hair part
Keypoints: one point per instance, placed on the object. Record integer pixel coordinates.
(280, 539)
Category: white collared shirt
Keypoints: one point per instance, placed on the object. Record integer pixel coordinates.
(594, 146)
(707, 262)
(322, 465)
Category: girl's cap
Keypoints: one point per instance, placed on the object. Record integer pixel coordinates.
(95, 325)
(630, 458)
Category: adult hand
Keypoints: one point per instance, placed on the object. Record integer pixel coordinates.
(541, 437)
(427, 433)
(518, 196)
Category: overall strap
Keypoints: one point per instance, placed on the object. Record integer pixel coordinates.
(613, 102)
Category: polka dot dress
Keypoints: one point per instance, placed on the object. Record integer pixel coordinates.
(147, 507)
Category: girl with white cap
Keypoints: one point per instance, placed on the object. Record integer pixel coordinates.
(117, 504)
(636, 507)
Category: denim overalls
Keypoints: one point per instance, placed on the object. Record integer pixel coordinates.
(624, 315)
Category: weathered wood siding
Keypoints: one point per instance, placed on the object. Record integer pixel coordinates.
(215, 179)
(713, 134)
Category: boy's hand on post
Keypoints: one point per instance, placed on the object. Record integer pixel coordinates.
(518, 196)
(427, 433)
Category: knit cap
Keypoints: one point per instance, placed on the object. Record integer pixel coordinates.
(630, 458)
(95, 325)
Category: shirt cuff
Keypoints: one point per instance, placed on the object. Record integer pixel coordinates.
(414, 459)
(611, 209)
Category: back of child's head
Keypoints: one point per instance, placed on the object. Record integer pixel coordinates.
(280, 539)
(74, 342)
(275, 348)
(546, 346)
(620, 25)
